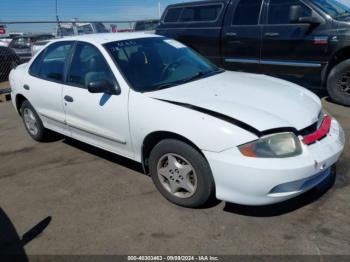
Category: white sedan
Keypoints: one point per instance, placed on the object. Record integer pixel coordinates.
(198, 130)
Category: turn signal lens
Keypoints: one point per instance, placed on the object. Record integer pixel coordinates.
(273, 146)
(248, 150)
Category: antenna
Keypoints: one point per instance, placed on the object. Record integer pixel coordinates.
(57, 20)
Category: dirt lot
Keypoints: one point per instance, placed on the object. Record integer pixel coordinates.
(4, 84)
(102, 204)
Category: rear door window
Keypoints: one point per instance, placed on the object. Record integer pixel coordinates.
(205, 13)
(247, 12)
(53, 63)
(172, 15)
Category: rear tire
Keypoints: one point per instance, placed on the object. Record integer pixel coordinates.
(181, 173)
(338, 83)
(33, 123)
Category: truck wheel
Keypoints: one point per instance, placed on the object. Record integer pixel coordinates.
(338, 83)
(33, 123)
(181, 174)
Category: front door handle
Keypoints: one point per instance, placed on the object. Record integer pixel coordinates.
(272, 34)
(68, 99)
(26, 87)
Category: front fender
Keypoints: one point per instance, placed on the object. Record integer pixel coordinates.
(148, 115)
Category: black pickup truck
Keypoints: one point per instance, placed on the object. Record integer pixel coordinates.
(304, 41)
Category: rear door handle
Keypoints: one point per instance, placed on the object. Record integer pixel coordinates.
(69, 99)
(26, 87)
(272, 34)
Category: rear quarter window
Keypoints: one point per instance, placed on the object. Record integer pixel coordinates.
(35, 67)
(204, 13)
(172, 15)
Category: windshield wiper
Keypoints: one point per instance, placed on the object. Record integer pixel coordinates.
(343, 14)
(199, 75)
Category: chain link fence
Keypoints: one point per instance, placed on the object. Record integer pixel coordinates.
(8, 60)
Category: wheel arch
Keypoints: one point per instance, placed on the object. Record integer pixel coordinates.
(19, 101)
(152, 139)
(338, 57)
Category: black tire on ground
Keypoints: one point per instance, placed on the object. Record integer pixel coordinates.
(339, 78)
(205, 190)
(42, 133)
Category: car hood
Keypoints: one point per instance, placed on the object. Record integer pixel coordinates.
(259, 101)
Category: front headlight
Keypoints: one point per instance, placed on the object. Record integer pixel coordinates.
(273, 146)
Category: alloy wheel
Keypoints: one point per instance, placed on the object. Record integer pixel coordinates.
(177, 175)
(344, 83)
(30, 121)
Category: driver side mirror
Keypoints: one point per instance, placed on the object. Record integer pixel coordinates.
(103, 86)
(295, 16)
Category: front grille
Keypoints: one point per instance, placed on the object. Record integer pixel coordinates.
(308, 130)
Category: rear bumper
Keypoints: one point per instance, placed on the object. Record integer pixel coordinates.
(254, 181)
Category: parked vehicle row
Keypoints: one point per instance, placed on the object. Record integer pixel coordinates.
(305, 41)
(6, 38)
(71, 29)
(26, 45)
(23, 44)
(262, 140)
(77, 28)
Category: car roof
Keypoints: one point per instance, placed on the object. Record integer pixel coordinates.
(148, 20)
(103, 38)
(194, 3)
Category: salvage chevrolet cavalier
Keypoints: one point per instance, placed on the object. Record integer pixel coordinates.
(198, 130)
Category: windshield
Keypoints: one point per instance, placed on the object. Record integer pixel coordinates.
(337, 9)
(155, 63)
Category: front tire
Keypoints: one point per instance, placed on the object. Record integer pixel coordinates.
(33, 123)
(181, 173)
(338, 83)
